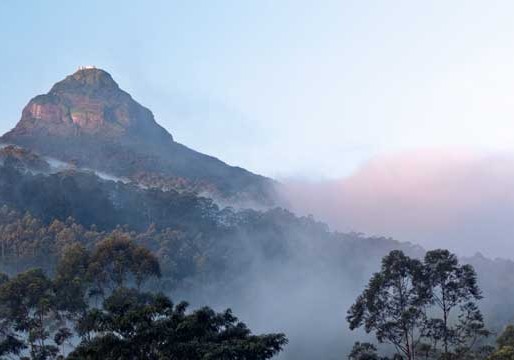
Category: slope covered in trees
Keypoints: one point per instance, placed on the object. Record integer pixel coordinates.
(259, 262)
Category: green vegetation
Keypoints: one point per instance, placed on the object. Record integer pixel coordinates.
(424, 309)
(43, 318)
(27, 242)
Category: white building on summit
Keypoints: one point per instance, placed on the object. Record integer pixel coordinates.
(87, 67)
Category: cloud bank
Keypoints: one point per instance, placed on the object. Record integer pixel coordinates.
(461, 200)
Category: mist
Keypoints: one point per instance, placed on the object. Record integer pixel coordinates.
(304, 293)
(306, 302)
(455, 199)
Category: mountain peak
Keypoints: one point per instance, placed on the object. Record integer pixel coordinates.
(86, 78)
(87, 119)
(88, 102)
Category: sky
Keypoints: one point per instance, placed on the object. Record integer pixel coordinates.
(285, 88)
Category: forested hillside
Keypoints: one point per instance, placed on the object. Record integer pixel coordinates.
(258, 262)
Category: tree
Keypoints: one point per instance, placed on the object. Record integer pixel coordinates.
(398, 299)
(27, 303)
(72, 280)
(452, 286)
(392, 305)
(137, 326)
(10, 344)
(144, 266)
(117, 258)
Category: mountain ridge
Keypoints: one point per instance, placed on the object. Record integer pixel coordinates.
(88, 120)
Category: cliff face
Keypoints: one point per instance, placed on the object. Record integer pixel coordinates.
(89, 102)
(88, 120)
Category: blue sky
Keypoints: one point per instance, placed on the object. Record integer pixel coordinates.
(285, 88)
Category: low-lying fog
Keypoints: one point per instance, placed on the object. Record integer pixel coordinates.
(460, 200)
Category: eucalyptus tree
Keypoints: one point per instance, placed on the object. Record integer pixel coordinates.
(27, 308)
(118, 259)
(427, 307)
(393, 303)
(454, 291)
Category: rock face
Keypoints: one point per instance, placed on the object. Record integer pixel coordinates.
(86, 119)
(89, 102)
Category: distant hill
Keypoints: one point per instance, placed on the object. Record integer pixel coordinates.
(87, 120)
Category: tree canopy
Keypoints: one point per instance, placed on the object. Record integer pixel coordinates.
(39, 315)
(134, 325)
(427, 307)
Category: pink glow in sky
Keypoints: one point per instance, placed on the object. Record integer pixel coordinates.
(444, 198)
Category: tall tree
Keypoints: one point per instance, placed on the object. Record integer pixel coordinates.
(399, 299)
(452, 286)
(392, 305)
(72, 280)
(28, 304)
(117, 259)
(10, 342)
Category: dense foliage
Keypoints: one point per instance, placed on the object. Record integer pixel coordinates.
(93, 201)
(135, 325)
(40, 316)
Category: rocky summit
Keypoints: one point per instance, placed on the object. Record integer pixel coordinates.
(88, 120)
(89, 102)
